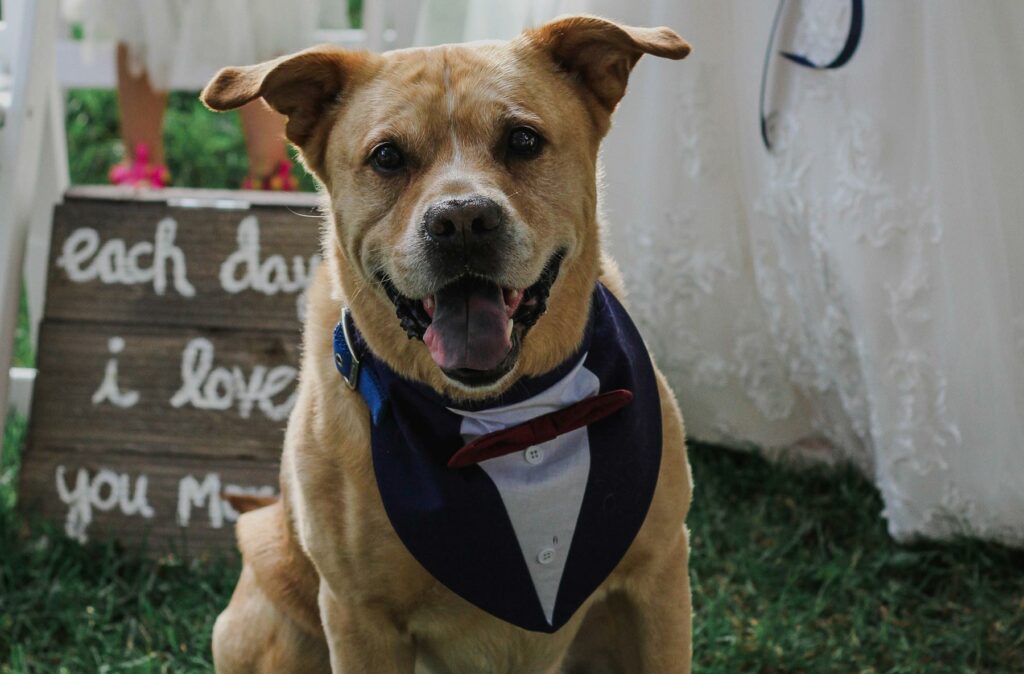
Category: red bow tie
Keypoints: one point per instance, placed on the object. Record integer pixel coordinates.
(540, 429)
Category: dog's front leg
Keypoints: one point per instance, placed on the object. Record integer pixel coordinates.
(661, 615)
(362, 639)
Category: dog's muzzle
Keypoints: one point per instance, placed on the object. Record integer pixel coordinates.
(472, 326)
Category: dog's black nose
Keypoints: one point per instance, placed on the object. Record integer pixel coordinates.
(461, 222)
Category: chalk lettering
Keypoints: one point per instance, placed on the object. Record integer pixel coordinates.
(206, 387)
(109, 390)
(207, 494)
(104, 492)
(85, 260)
(243, 269)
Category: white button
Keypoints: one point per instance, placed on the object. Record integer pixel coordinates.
(534, 455)
(546, 556)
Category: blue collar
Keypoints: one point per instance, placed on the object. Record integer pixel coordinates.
(350, 367)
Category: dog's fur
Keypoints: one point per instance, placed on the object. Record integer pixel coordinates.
(326, 583)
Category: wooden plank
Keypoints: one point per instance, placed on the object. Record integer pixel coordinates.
(147, 263)
(150, 390)
(193, 197)
(167, 504)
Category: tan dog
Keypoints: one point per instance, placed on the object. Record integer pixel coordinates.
(456, 161)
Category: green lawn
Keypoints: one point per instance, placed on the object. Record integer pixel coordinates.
(792, 572)
(792, 569)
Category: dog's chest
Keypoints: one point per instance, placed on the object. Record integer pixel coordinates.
(452, 637)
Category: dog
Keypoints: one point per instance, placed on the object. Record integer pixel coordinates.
(483, 471)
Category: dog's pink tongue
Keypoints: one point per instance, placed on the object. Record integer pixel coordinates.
(469, 328)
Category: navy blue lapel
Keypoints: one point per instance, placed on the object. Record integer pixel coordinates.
(625, 456)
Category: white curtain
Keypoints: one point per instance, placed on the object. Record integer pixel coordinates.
(857, 293)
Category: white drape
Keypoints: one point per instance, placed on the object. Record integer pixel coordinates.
(857, 293)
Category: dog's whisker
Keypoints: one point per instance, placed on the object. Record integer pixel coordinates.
(319, 216)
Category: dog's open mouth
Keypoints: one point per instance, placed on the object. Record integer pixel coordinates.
(473, 327)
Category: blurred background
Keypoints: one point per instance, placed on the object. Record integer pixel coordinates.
(820, 218)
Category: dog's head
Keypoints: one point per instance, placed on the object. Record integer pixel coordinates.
(462, 182)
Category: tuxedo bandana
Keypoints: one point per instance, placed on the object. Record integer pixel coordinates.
(524, 503)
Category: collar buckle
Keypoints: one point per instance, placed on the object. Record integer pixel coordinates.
(352, 378)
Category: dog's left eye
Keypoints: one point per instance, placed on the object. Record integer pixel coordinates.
(524, 142)
(386, 158)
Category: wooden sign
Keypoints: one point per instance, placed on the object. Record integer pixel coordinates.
(168, 357)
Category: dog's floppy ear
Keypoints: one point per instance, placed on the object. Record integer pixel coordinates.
(602, 53)
(302, 86)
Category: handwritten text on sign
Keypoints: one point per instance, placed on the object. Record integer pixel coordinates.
(107, 490)
(207, 386)
(167, 363)
(85, 257)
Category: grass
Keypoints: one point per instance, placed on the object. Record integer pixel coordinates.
(792, 572)
(69, 608)
(23, 355)
(792, 569)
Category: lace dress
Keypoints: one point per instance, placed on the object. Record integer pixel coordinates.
(167, 38)
(856, 294)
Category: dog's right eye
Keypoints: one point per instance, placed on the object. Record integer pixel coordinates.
(524, 142)
(386, 158)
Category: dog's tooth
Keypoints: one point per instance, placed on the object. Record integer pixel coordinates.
(508, 330)
(428, 305)
(513, 297)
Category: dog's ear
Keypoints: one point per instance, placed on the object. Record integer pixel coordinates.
(602, 53)
(302, 87)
